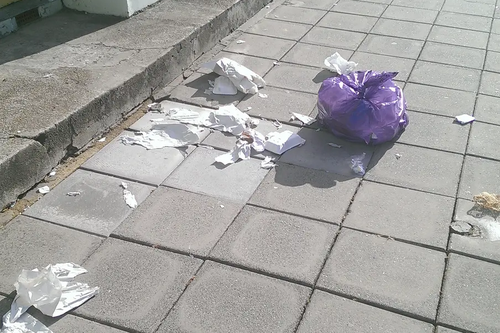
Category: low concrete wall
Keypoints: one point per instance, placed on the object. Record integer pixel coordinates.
(123, 8)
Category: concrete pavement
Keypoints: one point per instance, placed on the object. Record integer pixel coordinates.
(307, 246)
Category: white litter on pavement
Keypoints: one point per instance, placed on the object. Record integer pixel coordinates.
(465, 119)
(277, 124)
(335, 63)
(267, 163)
(334, 145)
(50, 290)
(165, 135)
(224, 86)
(124, 185)
(44, 189)
(242, 78)
(155, 107)
(280, 142)
(261, 95)
(306, 120)
(102, 139)
(240, 41)
(241, 151)
(129, 199)
(52, 173)
(188, 116)
(357, 164)
(73, 194)
(276, 63)
(486, 229)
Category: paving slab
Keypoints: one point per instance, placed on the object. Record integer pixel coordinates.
(438, 100)
(359, 7)
(484, 140)
(226, 300)
(487, 109)
(296, 14)
(100, 207)
(494, 43)
(397, 28)
(199, 173)
(147, 166)
(313, 55)
(192, 91)
(469, 295)
(138, 284)
(258, 65)
(349, 22)
(495, 28)
(446, 76)
(462, 6)
(492, 62)
(304, 79)
(460, 37)
(73, 324)
(180, 220)
(417, 168)
(28, 244)
(280, 29)
(435, 5)
(410, 14)
(464, 21)
(279, 104)
(307, 192)
(276, 243)
(477, 177)
(392, 46)
(261, 46)
(430, 131)
(453, 55)
(483, 247)
(387, 272)
(401, 213)
(316, 4)
(327, 313)
(490, 84)
(317, 154)
(334, 38)
(381, 63)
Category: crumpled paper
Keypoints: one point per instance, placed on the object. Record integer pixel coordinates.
(164, 135)
(306, 120)
(335, 63)
(249, 139)
(241, 77)
(224, 86)
(50, 290)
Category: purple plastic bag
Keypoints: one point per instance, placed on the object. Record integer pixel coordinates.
(363, 107)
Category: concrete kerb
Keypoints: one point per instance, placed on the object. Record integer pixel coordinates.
(39, 153)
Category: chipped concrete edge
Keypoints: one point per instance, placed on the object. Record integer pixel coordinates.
(31, 160)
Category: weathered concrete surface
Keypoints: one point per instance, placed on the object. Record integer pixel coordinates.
(65, 89)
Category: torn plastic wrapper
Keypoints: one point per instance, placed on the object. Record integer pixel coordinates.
(50, 290)
(280, 142)
(481, 228)
(249, 139)
(165, 135)
(267, 163)
(242, 78)
(306, 120)
(335, 63)
(25, 324)
(129, 199)
(357, 164)
(44, 190)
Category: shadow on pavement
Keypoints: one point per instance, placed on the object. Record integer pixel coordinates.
(51, 31)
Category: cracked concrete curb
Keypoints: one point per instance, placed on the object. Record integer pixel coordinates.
(28, 153)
